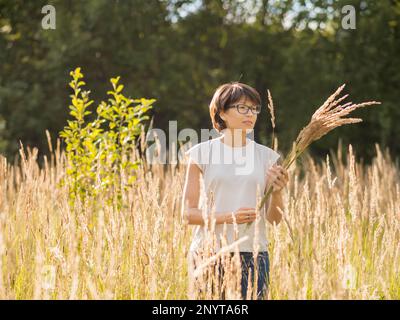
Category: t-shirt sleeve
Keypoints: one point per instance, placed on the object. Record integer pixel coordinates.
(198, 155)
(272, 157)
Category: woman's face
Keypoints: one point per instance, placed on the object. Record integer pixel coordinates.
(236, 120)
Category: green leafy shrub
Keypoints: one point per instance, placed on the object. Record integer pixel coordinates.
(99, 152)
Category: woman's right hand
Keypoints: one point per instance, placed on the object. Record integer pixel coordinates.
(242, 215)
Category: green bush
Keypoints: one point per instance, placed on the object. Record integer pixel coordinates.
(99, 151)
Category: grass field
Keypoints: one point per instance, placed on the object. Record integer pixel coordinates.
(339, 238)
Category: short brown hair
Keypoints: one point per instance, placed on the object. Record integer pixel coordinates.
(227, 94)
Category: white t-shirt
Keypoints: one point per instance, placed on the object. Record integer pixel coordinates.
(233, 177)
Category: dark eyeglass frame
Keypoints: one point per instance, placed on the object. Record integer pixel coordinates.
(258, 108)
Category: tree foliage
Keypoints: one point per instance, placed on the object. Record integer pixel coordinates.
(179, 51)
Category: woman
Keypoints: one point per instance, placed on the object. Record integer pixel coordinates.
(233, 170)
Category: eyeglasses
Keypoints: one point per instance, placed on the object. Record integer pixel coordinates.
(244, 109)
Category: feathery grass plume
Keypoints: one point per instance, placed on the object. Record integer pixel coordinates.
(326, 118)
(270, 106)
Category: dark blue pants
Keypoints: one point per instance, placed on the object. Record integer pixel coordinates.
(248, 266)
(247, 262)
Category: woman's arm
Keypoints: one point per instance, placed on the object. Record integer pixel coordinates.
(273, 214)
(278, 177)
(191, 195)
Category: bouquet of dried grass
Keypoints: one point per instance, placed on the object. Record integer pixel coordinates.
(328, 117)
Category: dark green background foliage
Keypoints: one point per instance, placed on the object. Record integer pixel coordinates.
(179, 51)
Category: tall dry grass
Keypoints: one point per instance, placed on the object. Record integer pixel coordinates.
(339, 238)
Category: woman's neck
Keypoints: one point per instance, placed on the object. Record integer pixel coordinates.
(234, 138)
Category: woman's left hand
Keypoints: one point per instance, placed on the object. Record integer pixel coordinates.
(278, 177)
